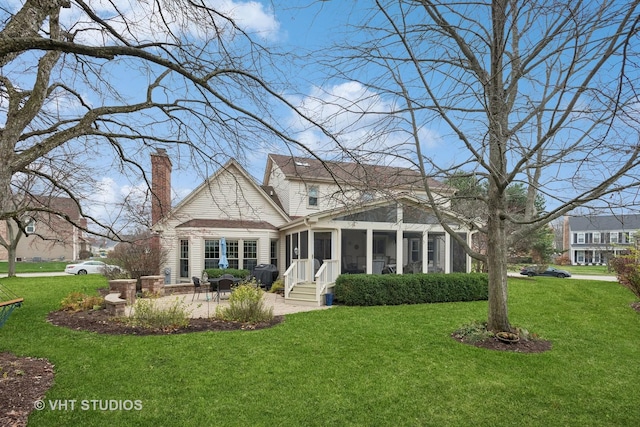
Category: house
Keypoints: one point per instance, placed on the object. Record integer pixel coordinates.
(312, 219)
(50, 236)
(596, 239)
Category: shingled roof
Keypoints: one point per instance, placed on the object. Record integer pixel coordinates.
(628, 222)
(355, 174)
(227, 223)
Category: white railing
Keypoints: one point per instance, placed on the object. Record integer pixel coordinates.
(326, 275)
(296, 273)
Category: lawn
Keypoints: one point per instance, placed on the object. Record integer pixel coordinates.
(348, 365)
(35, 267)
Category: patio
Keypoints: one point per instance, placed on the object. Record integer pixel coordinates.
(200, 307)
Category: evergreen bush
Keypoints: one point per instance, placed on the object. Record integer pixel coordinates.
(391, 289)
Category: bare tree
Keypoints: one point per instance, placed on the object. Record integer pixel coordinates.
(90, 89)
(537, 93)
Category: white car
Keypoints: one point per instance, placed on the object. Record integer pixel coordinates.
(90, 267)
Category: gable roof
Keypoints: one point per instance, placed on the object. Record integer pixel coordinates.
(232, 164)
(355, 174)
(55, 204)
(605, 222)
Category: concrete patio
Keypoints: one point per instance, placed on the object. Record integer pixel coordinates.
(201, 307)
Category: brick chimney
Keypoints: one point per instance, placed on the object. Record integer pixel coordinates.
(160, 185)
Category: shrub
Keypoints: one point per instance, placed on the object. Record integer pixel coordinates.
(246, 305)
(628, 271)
(277, 287)
(217, 272)
(77, 301)
(147, 314)
(140, 256)
(390, 289)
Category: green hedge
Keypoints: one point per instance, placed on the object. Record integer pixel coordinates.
(394, 289)
(217, 272)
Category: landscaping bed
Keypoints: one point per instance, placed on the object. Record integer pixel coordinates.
(99, 321)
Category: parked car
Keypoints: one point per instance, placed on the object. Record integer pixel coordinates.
(534, 270)
(90, 267)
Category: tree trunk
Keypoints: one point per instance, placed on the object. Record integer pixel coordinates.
(498, 318)
(11, 254)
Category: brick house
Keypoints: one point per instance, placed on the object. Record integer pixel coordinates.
(50, 236)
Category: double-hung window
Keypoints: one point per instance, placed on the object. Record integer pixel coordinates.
(250, 254)
(313, 192)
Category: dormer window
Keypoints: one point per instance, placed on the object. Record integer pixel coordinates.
(313, 196)
(30, 227)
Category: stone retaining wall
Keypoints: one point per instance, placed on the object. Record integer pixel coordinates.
(126, 288)
(153, 285)
(179, 288)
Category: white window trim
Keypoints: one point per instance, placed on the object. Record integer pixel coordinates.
(317, 196)
(596, 237)
(580, 239)
(611, 237)
(30, 228)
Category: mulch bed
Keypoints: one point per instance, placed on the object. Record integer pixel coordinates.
(99, 321)
(522, 346)
(23, 381)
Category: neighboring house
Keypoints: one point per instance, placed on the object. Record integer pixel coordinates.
(314, 220)
(595, 239)
(49, 236)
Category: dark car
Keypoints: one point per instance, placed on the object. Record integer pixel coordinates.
(534, 270)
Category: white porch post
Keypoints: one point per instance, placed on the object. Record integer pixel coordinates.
(399, 252)
(369, 253)
(447, 253)
(336, 246)
(310, 256)
(467, 257)
(425, 251)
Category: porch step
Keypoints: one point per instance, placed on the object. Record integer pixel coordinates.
(304, 294)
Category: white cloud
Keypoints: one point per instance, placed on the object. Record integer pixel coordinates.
(145, 21)
(362, 121)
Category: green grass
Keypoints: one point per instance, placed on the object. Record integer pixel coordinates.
(591, 270)
(35, 267)
(374, 366)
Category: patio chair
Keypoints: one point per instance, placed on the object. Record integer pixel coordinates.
(196, 287)
(224, 285)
